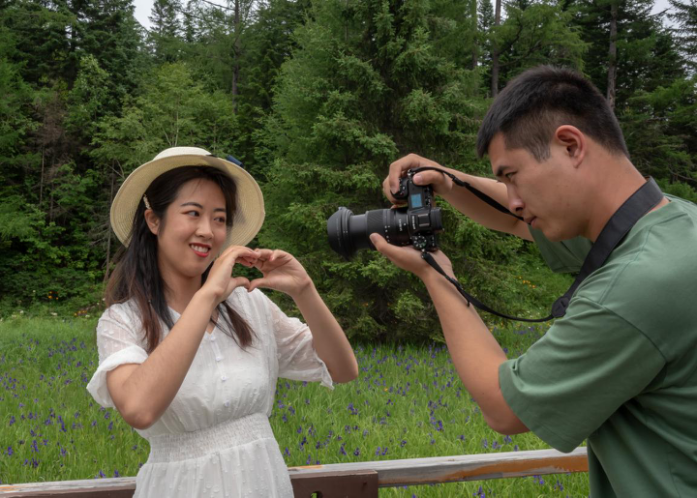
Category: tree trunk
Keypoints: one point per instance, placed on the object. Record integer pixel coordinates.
(612, 57)
(495, 54)
(41, 183)
(475, 31)
(236, 58)
(107, 264)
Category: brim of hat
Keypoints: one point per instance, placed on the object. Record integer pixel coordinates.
(250, 201)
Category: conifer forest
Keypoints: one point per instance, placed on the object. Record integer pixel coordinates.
(316, 98)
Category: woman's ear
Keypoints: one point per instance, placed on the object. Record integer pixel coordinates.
(152, 220)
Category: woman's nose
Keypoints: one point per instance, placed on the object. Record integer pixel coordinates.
(204, 229)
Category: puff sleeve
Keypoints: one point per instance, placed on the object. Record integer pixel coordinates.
(297, 358)
(119, 341)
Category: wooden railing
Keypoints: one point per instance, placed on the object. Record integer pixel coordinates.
(349, 480)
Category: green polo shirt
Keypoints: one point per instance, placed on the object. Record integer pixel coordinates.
(566, 256)
(620, 369)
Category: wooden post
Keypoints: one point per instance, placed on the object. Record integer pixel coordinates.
(358, 484)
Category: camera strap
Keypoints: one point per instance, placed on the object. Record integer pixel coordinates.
(634, 208)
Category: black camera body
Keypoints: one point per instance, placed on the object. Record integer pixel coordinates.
(416, 224)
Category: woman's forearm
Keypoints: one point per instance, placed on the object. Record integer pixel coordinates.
(328, 337)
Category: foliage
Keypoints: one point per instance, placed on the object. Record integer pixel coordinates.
(329, 93)
(367, 84)
(684, 15)
(660, 129)
(646, 52)
(173, 109)
(538, 33)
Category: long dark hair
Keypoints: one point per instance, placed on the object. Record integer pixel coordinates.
(137, 275)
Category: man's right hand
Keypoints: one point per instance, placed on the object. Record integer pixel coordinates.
(442, 185)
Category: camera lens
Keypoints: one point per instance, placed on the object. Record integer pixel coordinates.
(348, 232)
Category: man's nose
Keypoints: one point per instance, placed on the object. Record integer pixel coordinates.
(515, 203)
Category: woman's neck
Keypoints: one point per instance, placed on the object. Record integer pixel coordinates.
(179, 291)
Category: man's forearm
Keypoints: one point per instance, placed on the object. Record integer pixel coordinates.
(475, 353)
(474, 208)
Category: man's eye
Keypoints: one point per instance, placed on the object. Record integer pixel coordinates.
(509, 175)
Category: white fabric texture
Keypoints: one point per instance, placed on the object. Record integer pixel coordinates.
(215, 438)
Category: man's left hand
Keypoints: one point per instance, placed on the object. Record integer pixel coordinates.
(409, 258)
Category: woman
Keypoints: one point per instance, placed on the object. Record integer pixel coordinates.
(189, 354)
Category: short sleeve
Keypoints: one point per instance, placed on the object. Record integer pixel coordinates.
(584, 368)
(297, 358)
(119, 343)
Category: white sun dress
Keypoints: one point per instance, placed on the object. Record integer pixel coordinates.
(215, 440)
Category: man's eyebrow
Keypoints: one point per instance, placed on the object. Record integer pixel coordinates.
(196, 204)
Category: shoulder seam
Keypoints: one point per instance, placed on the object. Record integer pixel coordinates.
(621, 317)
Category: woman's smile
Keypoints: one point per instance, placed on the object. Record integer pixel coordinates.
(201, 251)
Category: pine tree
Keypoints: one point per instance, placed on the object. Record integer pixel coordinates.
(533, 33)
(107, 30)
(34, 37)
(645, 55)
(684, 15)
(165, 30)
(371, 81)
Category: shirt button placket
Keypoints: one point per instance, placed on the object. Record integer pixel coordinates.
(221, 366)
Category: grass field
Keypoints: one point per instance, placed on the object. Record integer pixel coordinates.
(407, 403)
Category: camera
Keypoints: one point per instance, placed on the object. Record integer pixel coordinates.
(416, 224)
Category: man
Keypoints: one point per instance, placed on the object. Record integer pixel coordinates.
(620, 368)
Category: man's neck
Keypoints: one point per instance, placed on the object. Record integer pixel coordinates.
(612, 189)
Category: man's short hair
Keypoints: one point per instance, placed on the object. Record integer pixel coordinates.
(533, 105)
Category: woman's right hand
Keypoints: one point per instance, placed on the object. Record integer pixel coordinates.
(220, 282)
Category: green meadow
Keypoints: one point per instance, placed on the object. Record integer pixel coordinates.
(407, 403)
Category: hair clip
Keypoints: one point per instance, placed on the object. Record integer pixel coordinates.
(145, 201)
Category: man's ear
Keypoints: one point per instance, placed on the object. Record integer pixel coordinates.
(574, 142)
(152, 220)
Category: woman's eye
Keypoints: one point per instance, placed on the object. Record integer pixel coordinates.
(220, 220)
(192, 213)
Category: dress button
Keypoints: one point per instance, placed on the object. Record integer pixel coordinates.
(223, 378)
(218, 358)
(212, 338)
(227, 403)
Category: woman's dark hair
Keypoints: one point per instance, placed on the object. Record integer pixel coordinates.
(137, 275)
(532, 106)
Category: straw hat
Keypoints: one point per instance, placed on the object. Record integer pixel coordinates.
(250, 201)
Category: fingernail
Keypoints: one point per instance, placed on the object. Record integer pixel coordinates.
(418, 178)
(373, 238)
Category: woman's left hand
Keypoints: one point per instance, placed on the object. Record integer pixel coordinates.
(281, 272)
